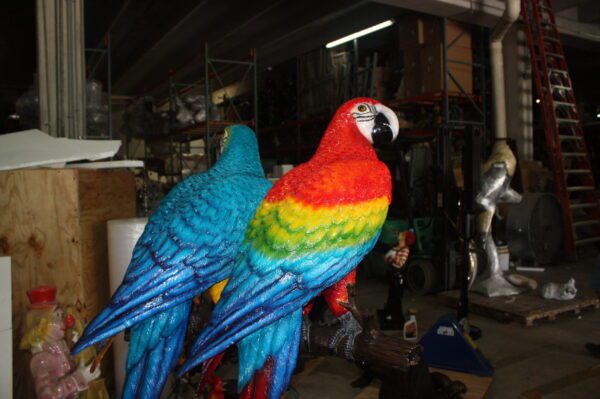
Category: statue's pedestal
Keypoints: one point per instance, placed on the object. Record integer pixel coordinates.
(496, 285)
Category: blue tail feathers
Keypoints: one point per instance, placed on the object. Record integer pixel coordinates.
(154, 350)
(279, 342)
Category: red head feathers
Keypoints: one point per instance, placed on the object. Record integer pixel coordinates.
(355, 127)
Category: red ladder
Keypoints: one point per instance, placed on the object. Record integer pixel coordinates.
(571, 166)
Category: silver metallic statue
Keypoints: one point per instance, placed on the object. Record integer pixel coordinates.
(497, 172)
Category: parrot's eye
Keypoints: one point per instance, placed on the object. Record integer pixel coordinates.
(362, 108)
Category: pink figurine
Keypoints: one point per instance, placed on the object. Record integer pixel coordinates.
(54, 372)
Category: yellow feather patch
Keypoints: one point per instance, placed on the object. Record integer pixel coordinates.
(216, 290)
(290, 225)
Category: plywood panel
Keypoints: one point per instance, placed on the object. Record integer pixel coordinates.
(53, 225)
(39, 230)
(103, 195)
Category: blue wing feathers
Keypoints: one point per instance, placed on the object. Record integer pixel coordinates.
(274, 295)
(206, 249)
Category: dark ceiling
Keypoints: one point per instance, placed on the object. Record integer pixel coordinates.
(149, 38)
(17, 46)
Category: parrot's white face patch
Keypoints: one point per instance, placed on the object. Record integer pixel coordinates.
(364, 115)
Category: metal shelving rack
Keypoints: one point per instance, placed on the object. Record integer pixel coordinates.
(452, 108)
(214, 70)
(472, 99)
(355, 81)
(476, 101)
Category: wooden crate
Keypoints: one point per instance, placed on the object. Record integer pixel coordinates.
(53, 226)
(524, 308)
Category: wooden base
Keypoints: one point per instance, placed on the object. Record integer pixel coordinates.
(524, 308)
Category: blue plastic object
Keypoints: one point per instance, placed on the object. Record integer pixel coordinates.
(446, 347)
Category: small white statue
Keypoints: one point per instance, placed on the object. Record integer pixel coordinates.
(562, 292)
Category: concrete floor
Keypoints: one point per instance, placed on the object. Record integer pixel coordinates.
(549, 357)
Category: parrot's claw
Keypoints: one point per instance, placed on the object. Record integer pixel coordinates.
(349, 329)
(351, 307)
(306, 323)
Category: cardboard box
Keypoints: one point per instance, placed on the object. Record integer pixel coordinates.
(432, 69)
(197, 147)
(382, 83)
(457, 34)
(535, 177)
(411, 32)
(411, 79)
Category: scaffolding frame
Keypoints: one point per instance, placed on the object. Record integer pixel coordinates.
(179, 138)
(210, 65)
(447, 120)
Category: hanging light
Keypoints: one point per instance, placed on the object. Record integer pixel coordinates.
(360, 33)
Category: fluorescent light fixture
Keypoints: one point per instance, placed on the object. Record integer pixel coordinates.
(358, 34)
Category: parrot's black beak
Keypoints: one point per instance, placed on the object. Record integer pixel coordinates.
(382, 131)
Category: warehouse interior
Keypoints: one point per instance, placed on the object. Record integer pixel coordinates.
(337, 199)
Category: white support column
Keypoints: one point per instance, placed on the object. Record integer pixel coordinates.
(518, 86)
(6, 332)
(61, 67)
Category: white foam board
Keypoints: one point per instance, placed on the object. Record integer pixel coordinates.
(6, 370)
(31, 148)
(127, 163)
(5, 294)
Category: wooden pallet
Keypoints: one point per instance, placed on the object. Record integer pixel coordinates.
(524, 308)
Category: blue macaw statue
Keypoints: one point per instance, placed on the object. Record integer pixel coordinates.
(188, 246)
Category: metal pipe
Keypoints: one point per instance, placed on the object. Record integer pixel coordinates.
(511, 13)
(222, 61)
(58, 26)
(70, 87)
(80, 68)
